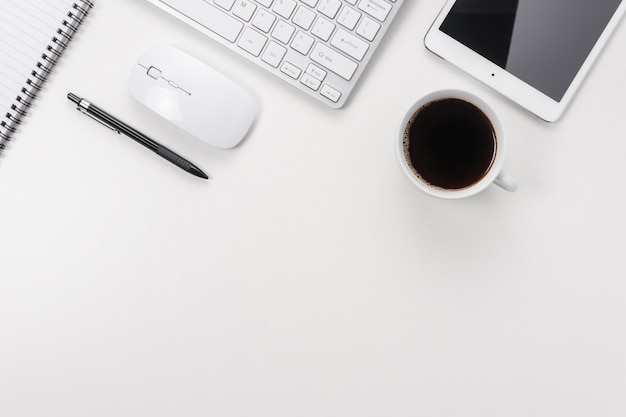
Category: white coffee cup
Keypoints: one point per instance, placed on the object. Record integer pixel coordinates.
(494, 173)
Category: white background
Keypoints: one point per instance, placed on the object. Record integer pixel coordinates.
(308, 277)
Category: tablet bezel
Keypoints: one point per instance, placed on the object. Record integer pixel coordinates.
(503, 81)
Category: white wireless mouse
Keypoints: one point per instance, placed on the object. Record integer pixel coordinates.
(192, 96)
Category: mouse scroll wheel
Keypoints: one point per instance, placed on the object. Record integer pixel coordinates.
(154, 73)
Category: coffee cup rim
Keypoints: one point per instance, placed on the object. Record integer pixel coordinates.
(497, 164)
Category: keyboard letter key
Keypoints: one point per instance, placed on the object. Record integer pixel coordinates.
(211, 18)
(244, 9)
(284, 7)
(225, 4)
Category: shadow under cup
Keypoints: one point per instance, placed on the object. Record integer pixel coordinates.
(451, 144)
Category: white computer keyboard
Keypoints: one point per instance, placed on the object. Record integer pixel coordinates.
(319, 46)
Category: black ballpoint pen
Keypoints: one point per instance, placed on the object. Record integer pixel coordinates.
(111, 122)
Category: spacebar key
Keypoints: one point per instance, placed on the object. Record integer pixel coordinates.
(209, 17)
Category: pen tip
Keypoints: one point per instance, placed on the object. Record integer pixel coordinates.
(198, 172)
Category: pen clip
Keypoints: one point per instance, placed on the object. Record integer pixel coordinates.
(81, 109)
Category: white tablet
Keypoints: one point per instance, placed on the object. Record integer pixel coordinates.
(535, 52)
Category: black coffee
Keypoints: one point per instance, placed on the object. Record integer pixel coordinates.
(449, 143)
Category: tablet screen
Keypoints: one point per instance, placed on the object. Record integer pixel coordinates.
(542, 42)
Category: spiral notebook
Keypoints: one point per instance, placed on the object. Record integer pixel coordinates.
(33, 35)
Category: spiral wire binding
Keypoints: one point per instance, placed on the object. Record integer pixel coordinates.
(58, 43)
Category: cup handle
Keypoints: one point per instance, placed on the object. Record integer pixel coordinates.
(506, 182)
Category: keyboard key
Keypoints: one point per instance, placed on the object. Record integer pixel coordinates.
(283, 31)
(263, 20)
(316, 72)
(211, 18)
(378, 9)
(302, 43)
(252, 41)
(284, 7)
(225, 4)
(303, 18)
(329, 8)
(330, 93)
(348, 18)
(349, 44)
(323, 28)
(244, 9)
(310, 81)
(273, 54)
(368, 29)
(291, 70)
(334, 61)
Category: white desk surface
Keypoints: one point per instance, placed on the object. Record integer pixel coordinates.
(308, 277)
